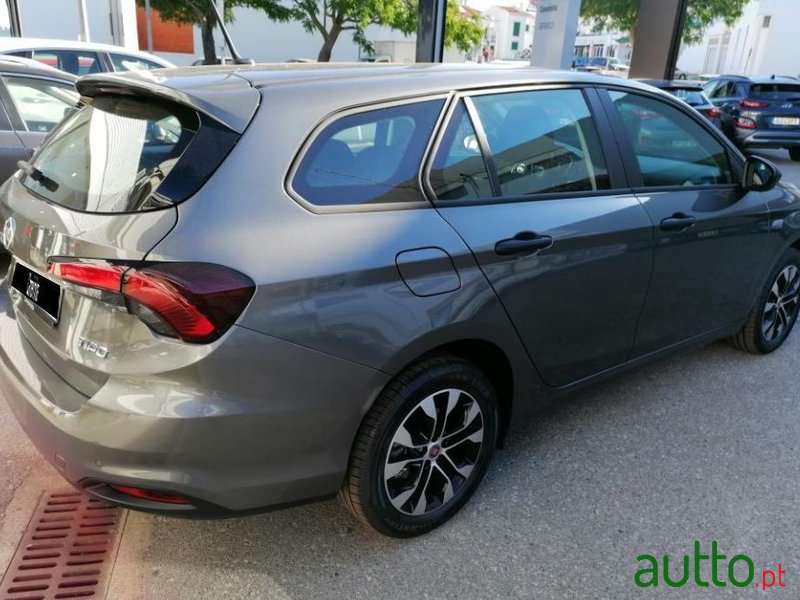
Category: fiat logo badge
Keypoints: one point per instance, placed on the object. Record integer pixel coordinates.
(9, 228)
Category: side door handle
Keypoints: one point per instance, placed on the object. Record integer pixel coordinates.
(678, 222)
(522, 243)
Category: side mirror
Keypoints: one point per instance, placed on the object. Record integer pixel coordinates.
(759, 175)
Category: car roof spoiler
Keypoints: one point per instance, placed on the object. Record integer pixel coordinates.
(221, 95)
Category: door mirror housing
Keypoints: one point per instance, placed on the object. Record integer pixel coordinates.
(760, 175)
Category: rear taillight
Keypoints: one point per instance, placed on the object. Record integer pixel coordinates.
(712, 113)
(196, 302)
(753, 103)
(745, 123)
(95, 275)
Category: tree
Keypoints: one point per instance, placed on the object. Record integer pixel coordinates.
(331, 18)
(622, 15)
(200, 13)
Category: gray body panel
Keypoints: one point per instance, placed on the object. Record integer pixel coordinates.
(345, 299)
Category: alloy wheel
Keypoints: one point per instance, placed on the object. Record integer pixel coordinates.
(433, 452)
(780, 309)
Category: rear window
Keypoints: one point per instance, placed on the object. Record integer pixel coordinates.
(126, 154)
(372, 157)
(775, 91)
(691, 97)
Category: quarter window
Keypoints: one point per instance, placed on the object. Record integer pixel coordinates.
(542, 142)
(371, 157)
(672, 149)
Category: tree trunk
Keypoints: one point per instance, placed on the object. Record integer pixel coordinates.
(330, 40)
(209, 47)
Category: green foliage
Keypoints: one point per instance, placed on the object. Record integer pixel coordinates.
(332, 17)
(622, 14)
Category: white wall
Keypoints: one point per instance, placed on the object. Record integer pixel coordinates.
(752, 49)
(60, 19)
(500, 23)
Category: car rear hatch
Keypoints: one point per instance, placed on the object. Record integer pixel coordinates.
(777, 105)
(81, 216)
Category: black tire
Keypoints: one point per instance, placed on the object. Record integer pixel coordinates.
(794, 153)
(365, 492)
(766, 329)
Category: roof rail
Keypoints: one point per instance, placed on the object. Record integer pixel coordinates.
(743, 77)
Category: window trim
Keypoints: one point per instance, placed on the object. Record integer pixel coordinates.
(735, 158)
(322, 125)
(620, 184)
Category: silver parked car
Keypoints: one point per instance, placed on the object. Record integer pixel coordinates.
(234, 288)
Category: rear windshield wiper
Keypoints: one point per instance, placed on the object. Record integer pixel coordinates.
(49, 184)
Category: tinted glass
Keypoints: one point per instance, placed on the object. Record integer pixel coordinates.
(459, 171)
(41, 103)
(77, 62)
(672, 148)
(775, 92)
(371, 157)
(126, 62)
(692, 97)
(543, 142)
(112, 155)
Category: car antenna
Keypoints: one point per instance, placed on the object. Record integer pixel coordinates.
(238, 60)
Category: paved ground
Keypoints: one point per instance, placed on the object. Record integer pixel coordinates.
(704, 446)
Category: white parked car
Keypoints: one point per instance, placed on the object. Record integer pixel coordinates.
(81, 58)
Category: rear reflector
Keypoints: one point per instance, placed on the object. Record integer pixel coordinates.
(197, 302)
(149, 494)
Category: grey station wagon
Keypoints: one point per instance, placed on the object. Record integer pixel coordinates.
(234, 288)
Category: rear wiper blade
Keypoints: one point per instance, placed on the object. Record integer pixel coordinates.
(49, 184)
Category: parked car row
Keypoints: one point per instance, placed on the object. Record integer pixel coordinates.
(759, 112)
(418, 254)
(81, 58)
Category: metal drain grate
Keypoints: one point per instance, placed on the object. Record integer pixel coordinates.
(66, 552)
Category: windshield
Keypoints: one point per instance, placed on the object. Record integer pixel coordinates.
(112, 155)
(775, 92)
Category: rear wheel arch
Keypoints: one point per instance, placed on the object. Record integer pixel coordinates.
(487, 356)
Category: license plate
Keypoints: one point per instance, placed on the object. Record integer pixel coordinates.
(38, 289)
(786, 121)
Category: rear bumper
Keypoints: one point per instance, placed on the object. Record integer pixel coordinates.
(258, 423)
(747, 138)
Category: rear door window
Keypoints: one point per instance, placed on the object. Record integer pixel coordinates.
(371, 157)
(458, 171)
(542, 142)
